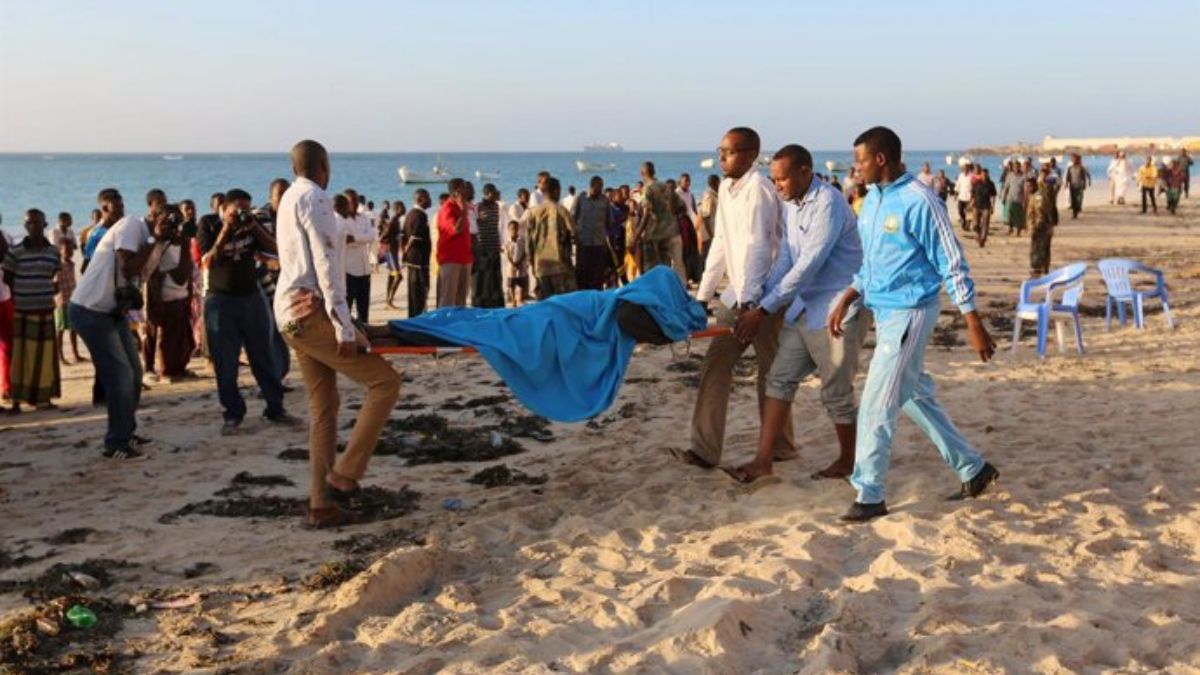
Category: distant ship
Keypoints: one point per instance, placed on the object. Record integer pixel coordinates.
(172, 158)
(439, 174)
(611, 146)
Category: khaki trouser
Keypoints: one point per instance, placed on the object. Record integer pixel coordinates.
(453, 281)
(677, 260)
(716, 377)
(316, 352)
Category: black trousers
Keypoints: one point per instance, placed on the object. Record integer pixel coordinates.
(962, 213)
(1149, 192)
(358, 295)
(1076, 201)
(418, 289)
(486, 286)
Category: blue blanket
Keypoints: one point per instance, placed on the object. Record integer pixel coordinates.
(565, 357)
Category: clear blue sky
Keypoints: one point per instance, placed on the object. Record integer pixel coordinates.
(255, 75)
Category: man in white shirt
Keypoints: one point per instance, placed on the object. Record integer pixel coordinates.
(748, 229)
(361, 238)
(539, 192)
(96, 313)
(310, 305)
(926, 176)
(962, 189)
(568, 202)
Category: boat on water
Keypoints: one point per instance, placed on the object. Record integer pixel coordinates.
(708, 163)
(172, 158)
(594, 167)
(438, 174)
(833, 166)
(487, 175)
(611, 146)
(949, 159)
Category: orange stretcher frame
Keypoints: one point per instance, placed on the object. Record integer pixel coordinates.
(711, 331)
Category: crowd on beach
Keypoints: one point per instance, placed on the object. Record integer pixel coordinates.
(800, 257)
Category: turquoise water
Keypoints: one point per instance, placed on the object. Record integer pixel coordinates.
(69, 182)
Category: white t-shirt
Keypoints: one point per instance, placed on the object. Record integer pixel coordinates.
(171, 291)
(57, 236)
(97, 290)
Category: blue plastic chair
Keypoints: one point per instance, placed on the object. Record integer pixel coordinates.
(1054, 297)
(1116, 273)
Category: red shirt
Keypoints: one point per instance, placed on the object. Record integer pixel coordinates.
(452, 247)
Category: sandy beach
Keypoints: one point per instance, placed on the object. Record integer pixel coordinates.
(595, 552)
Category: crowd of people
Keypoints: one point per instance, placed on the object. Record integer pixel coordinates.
(796, 252)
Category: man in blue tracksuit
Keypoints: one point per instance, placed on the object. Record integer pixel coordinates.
(909, 251)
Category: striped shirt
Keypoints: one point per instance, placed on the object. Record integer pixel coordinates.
(489, 226)
(33, 271)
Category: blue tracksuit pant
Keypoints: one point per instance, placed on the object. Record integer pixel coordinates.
(897, 381)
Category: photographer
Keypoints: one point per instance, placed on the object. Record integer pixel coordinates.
(99, 312)
(169, 300)
(235, 311)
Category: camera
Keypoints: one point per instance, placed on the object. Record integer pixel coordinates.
(246, 219)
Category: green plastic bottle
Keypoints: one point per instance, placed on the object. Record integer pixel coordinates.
(81, 617)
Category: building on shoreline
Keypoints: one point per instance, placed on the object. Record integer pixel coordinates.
(1127, 143)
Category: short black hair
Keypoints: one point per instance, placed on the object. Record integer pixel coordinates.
(713, 180)
(237, 195)
(750, 136)
(107, 194)
(490, 189)
(155, 195)
(277, 182)
(552, 184)
(421, 191)
(63, 215)
(571, 190)
(35, 214)
(188, 202)
(796, 155)
(455, 185)
(881, 140)
(649, 167)
(543, 174)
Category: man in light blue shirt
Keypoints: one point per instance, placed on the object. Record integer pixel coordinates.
(818, 256)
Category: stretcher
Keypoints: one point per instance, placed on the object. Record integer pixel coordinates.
(711, 331)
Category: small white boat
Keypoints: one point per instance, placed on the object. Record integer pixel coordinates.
(764, 160)
(487, 175)
(172, 158)
(708, 163)
(949, 159)
(594, 167)
(835, 167)
(439, 174)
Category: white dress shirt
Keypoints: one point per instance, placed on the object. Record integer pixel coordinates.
(536, 198)
(358, 253)
(310, 256)
(746, 241)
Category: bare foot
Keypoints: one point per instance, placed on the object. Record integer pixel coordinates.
(834, 471)
(750, 472)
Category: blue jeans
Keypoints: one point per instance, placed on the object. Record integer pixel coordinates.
(233, 322)
(897, 381)
(283, 355)
(118, 368)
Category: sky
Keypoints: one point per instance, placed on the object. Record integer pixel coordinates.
(363, 76)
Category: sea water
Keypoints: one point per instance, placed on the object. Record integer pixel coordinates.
(69, 182)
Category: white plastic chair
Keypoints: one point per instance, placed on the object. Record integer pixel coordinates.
(1059, 293)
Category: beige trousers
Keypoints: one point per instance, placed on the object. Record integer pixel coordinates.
(716, 378)
(453, 282)
(316, 353)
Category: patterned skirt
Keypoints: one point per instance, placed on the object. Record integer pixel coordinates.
(34, 373)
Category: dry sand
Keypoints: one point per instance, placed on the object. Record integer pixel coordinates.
(1085, 559)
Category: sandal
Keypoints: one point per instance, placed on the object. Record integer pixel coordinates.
(338, 495)
(333, 516)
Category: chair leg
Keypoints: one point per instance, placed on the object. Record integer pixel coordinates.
(1016, 333)
(1121, 312)
(1139, 318)
(1058, 333)
(1078, 335)
(1167, 315)
(1043, 328)
(1108, 303)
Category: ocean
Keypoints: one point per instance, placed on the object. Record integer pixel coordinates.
(69, 182)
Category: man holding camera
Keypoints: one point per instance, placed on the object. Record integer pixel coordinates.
(99, 311)
(235, 312)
